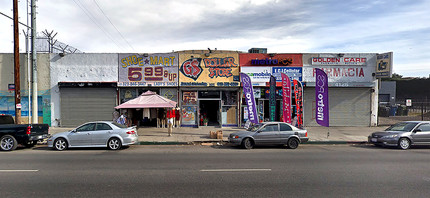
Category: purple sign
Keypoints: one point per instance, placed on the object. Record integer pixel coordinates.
(321, 97)
(249, 97)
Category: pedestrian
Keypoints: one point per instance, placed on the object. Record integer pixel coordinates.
(170, 116)
(122, 119)
(178, 117)
(115, 116)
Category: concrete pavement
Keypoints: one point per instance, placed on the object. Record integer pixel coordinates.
(187, 135)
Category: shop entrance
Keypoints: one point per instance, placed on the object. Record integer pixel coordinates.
(209, 109)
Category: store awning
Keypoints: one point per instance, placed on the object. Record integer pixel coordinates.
(148, 99)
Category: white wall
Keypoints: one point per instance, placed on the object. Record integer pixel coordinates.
(82, 67)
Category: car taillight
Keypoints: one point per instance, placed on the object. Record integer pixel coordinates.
(131, 132)
(306, 134)
(28, 130)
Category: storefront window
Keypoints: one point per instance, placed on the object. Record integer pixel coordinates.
(189, 115)
(189, 108)
(229, 97)
(189, 98)
(229, 115)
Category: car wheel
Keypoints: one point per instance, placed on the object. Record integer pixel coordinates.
(247, 143)
(8, 143)
(114, 144)
(60, 144)
(404, 143)
(293, 143)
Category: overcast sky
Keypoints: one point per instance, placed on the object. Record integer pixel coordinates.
(281, 26)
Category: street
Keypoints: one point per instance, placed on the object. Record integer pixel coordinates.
(217, 171)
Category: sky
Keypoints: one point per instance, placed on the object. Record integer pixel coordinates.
(281, 26)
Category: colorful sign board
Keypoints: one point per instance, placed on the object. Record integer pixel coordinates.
(384, 64)
(341, 73)
(143, 70)
(209, 70)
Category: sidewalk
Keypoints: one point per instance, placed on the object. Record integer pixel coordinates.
(187, 135)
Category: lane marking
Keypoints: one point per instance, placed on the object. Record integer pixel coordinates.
(19, 170)
(233, 170)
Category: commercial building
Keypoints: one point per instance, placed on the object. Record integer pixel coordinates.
(75, 88)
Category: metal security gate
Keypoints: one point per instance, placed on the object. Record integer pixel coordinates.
(348, 106)
(80, 105)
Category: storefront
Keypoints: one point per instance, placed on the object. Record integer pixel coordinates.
(259, 68)
(352, 85)
(138, 73)
(209, 87)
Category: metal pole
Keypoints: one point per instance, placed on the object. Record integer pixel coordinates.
(16, 63)
(34, 60)
(27, 41)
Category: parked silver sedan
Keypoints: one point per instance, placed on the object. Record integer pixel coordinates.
(403, 135)
(95, 134)
(269, 133)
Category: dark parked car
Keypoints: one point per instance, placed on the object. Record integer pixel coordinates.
(26, 134)
(269, 133)
(403, 135)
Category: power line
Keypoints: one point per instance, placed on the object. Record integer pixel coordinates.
(92, 18)
(95, 1)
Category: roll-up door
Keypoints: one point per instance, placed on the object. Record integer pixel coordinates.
(80, 105)
(348, 106)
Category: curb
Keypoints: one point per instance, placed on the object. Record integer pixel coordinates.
(225, 142)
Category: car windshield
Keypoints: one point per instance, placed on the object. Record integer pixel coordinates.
(255, 127)
(119, 125)
(402, 126)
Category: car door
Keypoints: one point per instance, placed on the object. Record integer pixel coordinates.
(422, 134)
(285, 131)
(269, 134)
(81, 136)
(102, 133)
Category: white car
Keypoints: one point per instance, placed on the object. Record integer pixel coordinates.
(95, 134)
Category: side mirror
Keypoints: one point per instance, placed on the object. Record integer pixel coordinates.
(417, 130)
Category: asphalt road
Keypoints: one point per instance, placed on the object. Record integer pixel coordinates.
(203, 171)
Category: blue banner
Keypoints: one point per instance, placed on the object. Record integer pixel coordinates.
(249, 97)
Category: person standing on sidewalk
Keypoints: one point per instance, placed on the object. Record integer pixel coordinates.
(170, 116)
(178, 117)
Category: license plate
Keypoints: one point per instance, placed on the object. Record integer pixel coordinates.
(374, 140)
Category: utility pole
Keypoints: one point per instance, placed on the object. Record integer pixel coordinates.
(35, 116)
(16, 64)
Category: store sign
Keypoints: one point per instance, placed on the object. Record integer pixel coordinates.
(207, 72)
(270, 61)
(260, 75)
(339, 61)
(384, 64)
(160, 70)
(342, 75)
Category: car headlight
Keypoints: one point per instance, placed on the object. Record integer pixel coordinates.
(389, 136)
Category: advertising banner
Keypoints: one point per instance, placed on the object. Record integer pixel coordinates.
(384, 64)
(321, 97)
(158, 70)
(249, 98)
(272, 98)
(298, 92)
(286, 98)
